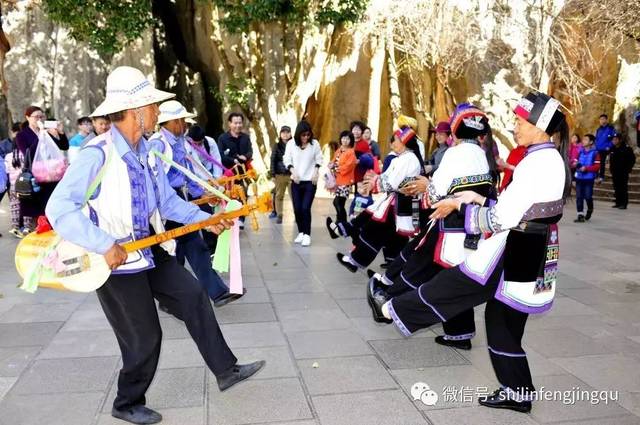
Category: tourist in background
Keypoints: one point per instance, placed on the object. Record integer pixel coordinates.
(575, 146)
(621, 162)
(442, 133)
(303, 159)
(6, 147)
(279, 172)
(343, 167)
(85, 127)
(587, 169)
(13, 164)
(604, 133)
(373, 145)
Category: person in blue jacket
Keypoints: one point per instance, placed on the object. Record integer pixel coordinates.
(604, 134)
(587, 169)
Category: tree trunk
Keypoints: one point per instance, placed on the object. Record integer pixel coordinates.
(5, 115)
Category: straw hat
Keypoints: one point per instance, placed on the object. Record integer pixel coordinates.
(173, 110)
(128, 88)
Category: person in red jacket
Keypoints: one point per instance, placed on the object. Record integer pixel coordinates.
(342, 167)
(515, 156)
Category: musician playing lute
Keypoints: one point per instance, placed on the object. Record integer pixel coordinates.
(131, 202)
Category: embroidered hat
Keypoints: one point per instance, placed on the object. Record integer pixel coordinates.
(406, 121)
(405, 134)
(173, 110)
(442, 127)
(128, 88)
(467, 121)
(541, 110)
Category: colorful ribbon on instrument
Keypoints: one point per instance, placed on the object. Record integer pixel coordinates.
(34, 275)
(205, 154)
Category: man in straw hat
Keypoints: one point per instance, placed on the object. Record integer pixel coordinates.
(130, 202)
(170, 141)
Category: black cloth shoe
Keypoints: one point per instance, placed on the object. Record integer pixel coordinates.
(580, 219)
(376, 297)
(279, 220)
(137, 415)
(462, 344)
(238, 373)
(622, 207)
(384, 265)
(589, 214)
(330, 229)
(370, 273)
(500, 400)
(228, 298)
(615, 206)
(352, 268)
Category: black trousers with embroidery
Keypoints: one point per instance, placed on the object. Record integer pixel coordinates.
(374, 236)
(415, 266)
(128, 303)
(451, 293)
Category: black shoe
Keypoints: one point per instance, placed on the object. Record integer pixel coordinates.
(279, 220)
(228, 298)
(137, 415)
(352, 268)
(462, 344)
(384, 265)
(500, 400)
(370, 273)
(615, 206)
(238, 373)
(580, 219)
(376, 297)
(273, 214)
(622, 207)
(589, 214)
(163, 308)
(330, 228)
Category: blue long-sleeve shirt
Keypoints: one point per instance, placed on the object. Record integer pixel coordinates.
(176, 178)
(604, 134)
(64, 207)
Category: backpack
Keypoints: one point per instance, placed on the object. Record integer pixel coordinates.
(24, 187)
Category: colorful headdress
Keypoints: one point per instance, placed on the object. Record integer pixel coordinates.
(541, 110)
(468, 121)
(405, 134)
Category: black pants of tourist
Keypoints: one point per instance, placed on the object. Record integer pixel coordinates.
(451, 293)
(128, 303)
(621, 188)
(417, 267)
(339, 203)
(374, 236)
(302, 195)
(603, 161)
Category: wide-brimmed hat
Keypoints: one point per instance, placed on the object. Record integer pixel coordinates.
(173, 110)
(128, 88)
(442, 127)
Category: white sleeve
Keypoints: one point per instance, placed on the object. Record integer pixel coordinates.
(442, 177)
(399, 170)
(318, 153)
(288, 154)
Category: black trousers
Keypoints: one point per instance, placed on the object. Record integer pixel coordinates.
(339, 203)
(415, 266)
(451, 293)
(302, 195)
(374, 236)
(621, 188)
(128, 303)
(603, 162)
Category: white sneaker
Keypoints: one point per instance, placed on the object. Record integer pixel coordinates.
(299, 238)
(306, 240)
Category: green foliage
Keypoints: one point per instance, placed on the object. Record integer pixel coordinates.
(106, 25)
(239, 15)
(237, 92)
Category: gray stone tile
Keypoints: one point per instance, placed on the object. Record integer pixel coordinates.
(565, 306)
(81, 344)
(52, 409)
(27, 313)
(630, 401)
(611, 371)
(23, 334)
(563, 343)
(245, 313)
(539, 365)
(173, 328)
(303, 301)
(171, 388)
(415, 353)
(355, 308)
(377, 407)
(243, 335)
(279, 361)
(5, 385)
(347, 291)
(345, 375)
(556, 410)
(87, 320)
(179, 353)
(180, 416)
(272, 399)
(313, 320)
(456, 386)
(67, 375)
(254, 295)
(478, 416)
(332, 343)
(13, 360)
(293, 286)
(370, 330)
(616, 420)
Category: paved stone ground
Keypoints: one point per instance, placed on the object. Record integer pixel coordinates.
(59, 359)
